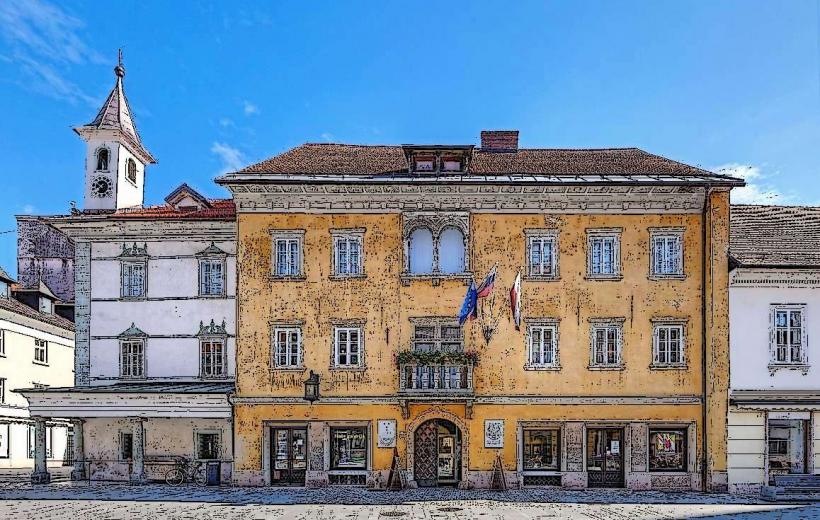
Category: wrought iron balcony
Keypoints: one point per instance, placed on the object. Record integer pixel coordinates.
(436, 379)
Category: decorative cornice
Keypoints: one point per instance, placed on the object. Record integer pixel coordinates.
(132, 332)
(774, 277)
(500, 399)
(212, 329)
(134, 251)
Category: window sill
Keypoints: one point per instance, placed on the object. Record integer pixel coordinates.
(214, 378)
(802, 367)
(664, 277)
(654, 366)
(542, 472)
(603, 368)
(42, 364)
(352, 471)
(435, 278)
(348, 369)
(213, 296)
(133, 298)
(604, 277)
(542, 368)
(668, 472)
(277, 278)
(287, 369)
(541, 278)
(342, 277)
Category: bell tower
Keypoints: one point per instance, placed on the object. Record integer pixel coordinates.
(115, 158)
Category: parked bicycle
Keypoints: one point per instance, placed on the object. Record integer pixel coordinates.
(185, 470)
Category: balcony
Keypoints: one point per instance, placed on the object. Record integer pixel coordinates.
(436, 374)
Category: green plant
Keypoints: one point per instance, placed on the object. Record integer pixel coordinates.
(436, 358)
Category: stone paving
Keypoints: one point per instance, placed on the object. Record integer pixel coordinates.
(118, 501)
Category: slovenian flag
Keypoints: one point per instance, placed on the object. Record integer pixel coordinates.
(515, 301)
(469, 309)
(487, 285)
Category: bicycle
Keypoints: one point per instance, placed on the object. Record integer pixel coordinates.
(185, 470)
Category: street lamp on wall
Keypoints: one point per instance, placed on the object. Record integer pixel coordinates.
(312, 387)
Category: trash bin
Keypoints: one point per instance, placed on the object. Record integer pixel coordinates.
(212, 473)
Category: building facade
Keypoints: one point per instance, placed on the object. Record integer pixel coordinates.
(774, 414)
(36, 349)
(155, 302)
(353, 265)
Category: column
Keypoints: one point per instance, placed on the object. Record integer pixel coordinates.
(40, 475)
(78, 473)
(138, 450)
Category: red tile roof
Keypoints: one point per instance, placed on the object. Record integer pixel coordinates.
(775, 236)
(12, 305)
(221, 209)
(321, 158)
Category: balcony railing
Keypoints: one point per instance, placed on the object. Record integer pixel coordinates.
(436, 379)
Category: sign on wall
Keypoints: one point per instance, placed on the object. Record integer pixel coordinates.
(494, 433)
(387, 433)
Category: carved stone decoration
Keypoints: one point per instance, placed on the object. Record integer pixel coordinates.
(387, 433)
(435, 222)
(574, 432)
(494, 433)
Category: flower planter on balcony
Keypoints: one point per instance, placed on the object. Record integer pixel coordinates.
(436, 379)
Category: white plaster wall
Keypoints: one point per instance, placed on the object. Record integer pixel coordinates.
(19, 446)
(749, 324)
(746, 450)
(130, 193)
(91, 201)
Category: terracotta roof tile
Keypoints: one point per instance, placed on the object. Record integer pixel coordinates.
(12, 305)
(221, 209)
(775, 236)
(320, 158)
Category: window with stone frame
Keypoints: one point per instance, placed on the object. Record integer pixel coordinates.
(542, 345)
(212, 277)
(437, 335)
(132, 358)
(348, 252)
(287, 253)
(788, 339)
(131, 170)
(436, 244)
(133, 279)
(604, 253)
(347, 347)
(666, 252)
(212, 355)
(207, 445)
(542, 254)
(126, 446)
(667, 449)
(348, 448)
(287, 347)
(668, 345)
(541, 449)
(40, 351)
(103, 159)
(606, 341)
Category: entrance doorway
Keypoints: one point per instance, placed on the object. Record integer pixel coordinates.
(788, 447)
(288, 449)
(437, 453)
(605, 459)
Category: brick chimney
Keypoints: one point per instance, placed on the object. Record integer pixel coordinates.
(499, 140)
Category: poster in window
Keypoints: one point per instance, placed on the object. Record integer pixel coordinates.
(494, 433)
(387, 433)
(4, 441)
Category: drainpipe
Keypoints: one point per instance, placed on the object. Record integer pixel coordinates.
(704, 435)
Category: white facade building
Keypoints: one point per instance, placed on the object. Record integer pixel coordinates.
(155, 293)
(36, 349)
(774, 302)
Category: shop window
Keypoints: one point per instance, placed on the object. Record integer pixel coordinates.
(541, 450)
(207, 446)
(667, 450)
(348, 448)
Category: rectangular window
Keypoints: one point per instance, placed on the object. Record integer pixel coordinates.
(2, 342)
(207, 446)
(126, 446)
(347, 254)
(541, 449)
(444, 336)
(543, 346)
(788, 344)
(667, 450)
(603, 253)
(287, 347)
(211, 277)
(348, 448)
(133, 279)
(41, 351)
(32, 441)
(2, 390)
(541, 252)
(667, 252)
(132, 358)
(606, 345)
(287, 253)
(668, 345)
(348, 347)
(212, 357)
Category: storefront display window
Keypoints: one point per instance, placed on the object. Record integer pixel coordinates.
(541, 449)
(348, 448)
(667, 450)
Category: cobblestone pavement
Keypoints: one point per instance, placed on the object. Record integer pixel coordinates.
(117, 501)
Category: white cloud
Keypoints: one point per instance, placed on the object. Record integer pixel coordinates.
(44, 40)
(758, 189)
(225, 122)
(249, 108)
(29, 209)
(231, 157)
(327, 136)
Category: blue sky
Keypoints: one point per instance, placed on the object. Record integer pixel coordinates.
(215, 86)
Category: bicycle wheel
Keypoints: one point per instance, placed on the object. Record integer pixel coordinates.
(199, 476)
(174, 477)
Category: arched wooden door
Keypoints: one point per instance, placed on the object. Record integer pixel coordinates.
(437, 453)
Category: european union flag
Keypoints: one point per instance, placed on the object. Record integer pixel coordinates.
(469, 308)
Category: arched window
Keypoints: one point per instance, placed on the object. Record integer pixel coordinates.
(421, 251)
(102, 160)
(451, 251)
(131, 170)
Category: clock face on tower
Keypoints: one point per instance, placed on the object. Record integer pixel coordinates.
(101, 186)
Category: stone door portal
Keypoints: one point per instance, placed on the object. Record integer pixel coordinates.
(437, 453)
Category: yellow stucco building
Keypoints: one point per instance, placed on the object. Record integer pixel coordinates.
(354, 261)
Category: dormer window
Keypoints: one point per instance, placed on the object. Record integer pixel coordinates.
(424, 164)
(46, 305)
(103, 156)
(131, 170)
(451, 164)
(4, 289)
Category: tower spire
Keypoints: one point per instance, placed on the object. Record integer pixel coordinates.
(119, 70)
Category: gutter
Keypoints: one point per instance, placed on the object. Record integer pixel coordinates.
(704, 434)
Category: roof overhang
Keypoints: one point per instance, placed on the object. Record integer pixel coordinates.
(107, 227)
(775, 399)
(114, 134)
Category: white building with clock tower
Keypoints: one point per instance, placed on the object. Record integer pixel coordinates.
(115, 157)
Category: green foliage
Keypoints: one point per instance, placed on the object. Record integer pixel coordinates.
(437, 358)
